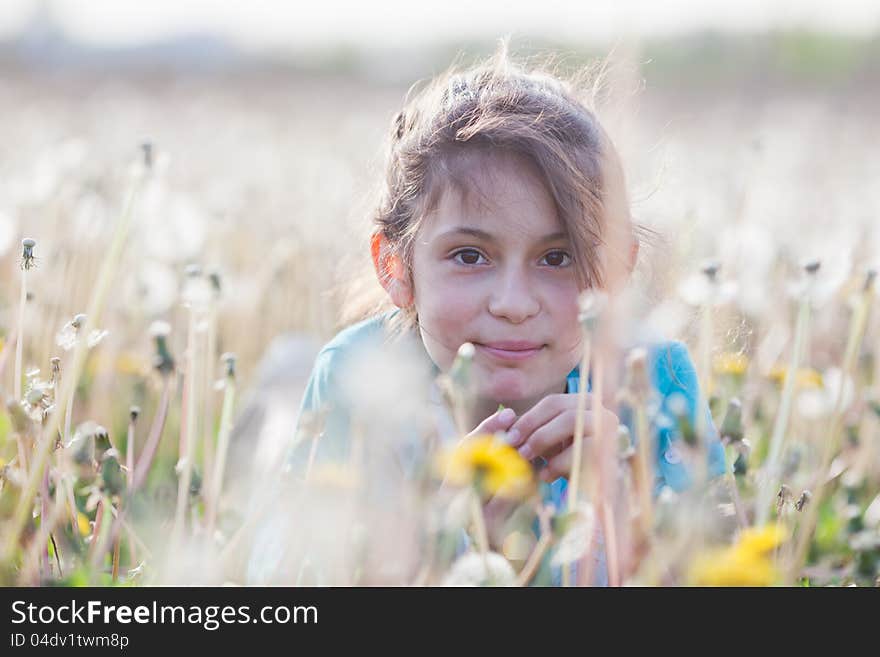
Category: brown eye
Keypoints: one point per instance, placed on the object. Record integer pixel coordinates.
(557, 258)
(468, 256)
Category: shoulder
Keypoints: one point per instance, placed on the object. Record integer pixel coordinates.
(366, 331)
(336, 355)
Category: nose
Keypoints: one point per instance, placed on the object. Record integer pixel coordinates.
(513, 297)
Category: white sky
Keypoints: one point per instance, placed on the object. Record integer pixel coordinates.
(293, 23)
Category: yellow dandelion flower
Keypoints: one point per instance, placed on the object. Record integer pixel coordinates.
(83, 523)
(806, 377)
(748, 562)
(488, 462)
(761, 541)
(730, 568)
(730, 363)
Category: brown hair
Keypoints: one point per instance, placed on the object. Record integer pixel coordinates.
(499, 106)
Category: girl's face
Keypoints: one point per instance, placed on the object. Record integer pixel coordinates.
(495, 268)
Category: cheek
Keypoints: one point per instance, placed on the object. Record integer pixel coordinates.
(446, 313)
(564, 302)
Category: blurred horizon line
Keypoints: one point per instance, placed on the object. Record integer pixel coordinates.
(703, 55)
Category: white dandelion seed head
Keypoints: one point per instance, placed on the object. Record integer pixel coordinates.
(197, 292)
(578, 535)
(160, 329)
(66, 337)
(699, 290)
(591, 304)
(472, 569)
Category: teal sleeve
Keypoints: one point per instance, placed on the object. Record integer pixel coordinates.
(323, 416)
(675, 379)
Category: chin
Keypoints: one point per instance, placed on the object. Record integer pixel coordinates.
(507, 386)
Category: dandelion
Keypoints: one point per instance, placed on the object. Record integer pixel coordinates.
(83, 524)
(746, 563)
(805, 377)
(576, 532)
(162, 360)
(109, 266)
(473, 569)
(783, 498)
(67, 337)
(803, 500)
(489, 464)
(27, 263)
(457, 383)
(705, 287)
(38, 399)
(198, 292)
(777, 438)
(858, 325)
(730, 364)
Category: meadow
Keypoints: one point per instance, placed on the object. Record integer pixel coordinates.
(173, 251)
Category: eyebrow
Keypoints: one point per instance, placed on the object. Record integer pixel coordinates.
(481, 234)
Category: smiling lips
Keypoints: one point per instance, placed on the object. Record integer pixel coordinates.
(510, 350)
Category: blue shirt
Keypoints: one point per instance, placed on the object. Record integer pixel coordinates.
(673, 378)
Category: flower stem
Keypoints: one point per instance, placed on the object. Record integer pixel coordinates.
(19, 343)
(578, 443)
(768, 483)
(858, 324)
(147, 454)
(208, 404)
(188, 430)
(106, 276)
(222, 449)
(531, 566)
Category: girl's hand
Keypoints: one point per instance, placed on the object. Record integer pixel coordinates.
(496, 510)
(498, 421)
(547, 431)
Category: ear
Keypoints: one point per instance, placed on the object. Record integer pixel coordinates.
(390, 271)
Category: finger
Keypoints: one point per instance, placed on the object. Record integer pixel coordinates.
(549, 437)
(558, 466)
(540, 414)
(553, 451)
(498, 421)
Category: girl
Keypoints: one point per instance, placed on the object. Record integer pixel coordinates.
(503, 200)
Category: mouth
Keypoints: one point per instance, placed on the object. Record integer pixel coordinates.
(510, 350)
